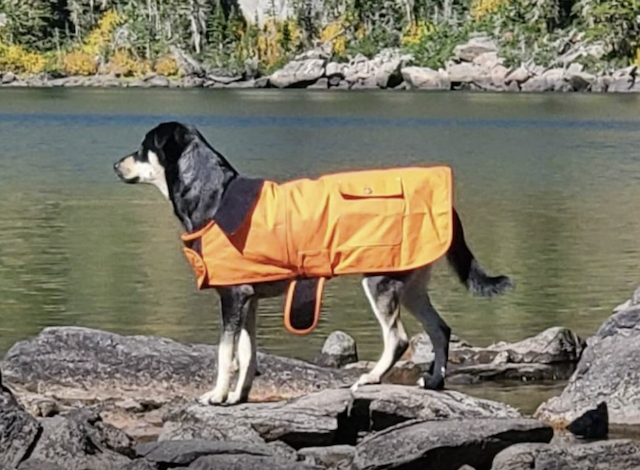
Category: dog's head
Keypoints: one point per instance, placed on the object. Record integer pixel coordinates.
(158, 154)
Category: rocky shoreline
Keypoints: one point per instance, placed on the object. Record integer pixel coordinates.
(475, 66)
(76, 398)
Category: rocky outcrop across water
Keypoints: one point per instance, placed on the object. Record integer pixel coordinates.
(476, 65)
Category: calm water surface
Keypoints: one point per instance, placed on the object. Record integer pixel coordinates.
(547, 186)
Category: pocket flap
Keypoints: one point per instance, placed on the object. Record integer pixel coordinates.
(383, 187)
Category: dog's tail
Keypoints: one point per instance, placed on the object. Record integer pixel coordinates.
(468, 269)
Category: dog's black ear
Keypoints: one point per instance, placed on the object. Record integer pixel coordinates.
(172, 138)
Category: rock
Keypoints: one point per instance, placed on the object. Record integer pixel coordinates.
(497, 371)
(246, 462)
(224, 79)
(364, 83)
(37, 464)
(338, 350)
(183, 453)
(593, 424)
(553, 345)
(621, 84)
(606, 372)
(18, 430)
(421, 349)
(580, 81)
(321, 84)
(298, 73)
(140, 464)
(474, 47)
(327, 418)
(8, 77)
(388, 75)
(519, 75)
(425, 78)
(187, 64)
(330, 456)
(157, 81)
(76, 441)
(334, 69)
(604, 455)
(82, 363)
(262, 82)
(498, 75)
(601, 84)
(446, 445)
(462, 73)
(488, 60)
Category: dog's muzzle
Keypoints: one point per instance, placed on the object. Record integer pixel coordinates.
(117, 168)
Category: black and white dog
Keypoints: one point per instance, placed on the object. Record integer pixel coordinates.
(191, 174)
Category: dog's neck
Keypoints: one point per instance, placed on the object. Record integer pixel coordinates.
(196, 187)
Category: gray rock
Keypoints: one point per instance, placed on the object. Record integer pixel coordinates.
(74, 441)
(140, 464)
(604, 455)
(18, 430)
(536, 85)
(81, 363)
(298, 73)
(446, 445)
(606, 372)
(8, 77)
(247, 462)
(183, 453)
(388, 75)
(225, 80)
(334, 69)
(328, 417)
(338, 350)
(330, 456)
(621, 84)
(37, 464)
(262, 82)
(552, 346)
(320, 84)
(521, 372)
(425, 78)
(519, 75)
(462, 73)
(421, 349)
(580, 81)
(601, 84)
(158, 81)
(474, 47)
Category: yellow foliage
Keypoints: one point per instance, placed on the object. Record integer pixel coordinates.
(335, 34)
(637, 59)
(270, 40)
(100, 37)
(124, 65)
(361, 32)
(480, 8)
(19, 60)
(167, 66)
(416, 32)
(79, 63)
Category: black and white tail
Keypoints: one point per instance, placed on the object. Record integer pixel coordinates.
(468, 269)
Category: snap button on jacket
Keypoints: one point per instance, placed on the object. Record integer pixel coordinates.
(383, 220)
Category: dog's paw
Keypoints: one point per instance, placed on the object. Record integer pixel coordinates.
(365, 379)
(235, 398)
(431, 382)
(213, 397)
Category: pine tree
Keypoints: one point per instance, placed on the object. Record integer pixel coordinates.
(216, 27)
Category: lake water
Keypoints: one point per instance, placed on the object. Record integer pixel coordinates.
(548, 188)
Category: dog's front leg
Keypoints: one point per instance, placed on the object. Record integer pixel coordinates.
(232, 306)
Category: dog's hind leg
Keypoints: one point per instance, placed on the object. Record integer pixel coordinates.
(246, 354)
(383, 294)
(416, 300)
(234, 303)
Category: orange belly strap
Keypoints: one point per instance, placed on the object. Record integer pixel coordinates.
(308, 230)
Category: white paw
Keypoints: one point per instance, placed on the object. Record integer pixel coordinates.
(421, 382)
(214, 397)
(233, 398)
(365, 379)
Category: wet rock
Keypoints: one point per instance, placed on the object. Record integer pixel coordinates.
(593, 424)
(474, 48)
(607, 372)
(553, 345)
(18, 430)
(330, 456)
(604, 455)
(446, 445)
(425, 78)
(298, 73)
(87, 364)
(338, 350)
(327, 418)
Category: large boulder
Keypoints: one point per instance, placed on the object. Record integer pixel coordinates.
(607, 372)
(604, 455)
(424, 78)
(329, 417)
(446, 445)
(474, 48)
(299, 73)
(82, 363)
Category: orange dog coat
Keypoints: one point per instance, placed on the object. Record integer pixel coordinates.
(374, 221)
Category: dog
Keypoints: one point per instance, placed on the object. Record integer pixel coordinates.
(195, 178)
